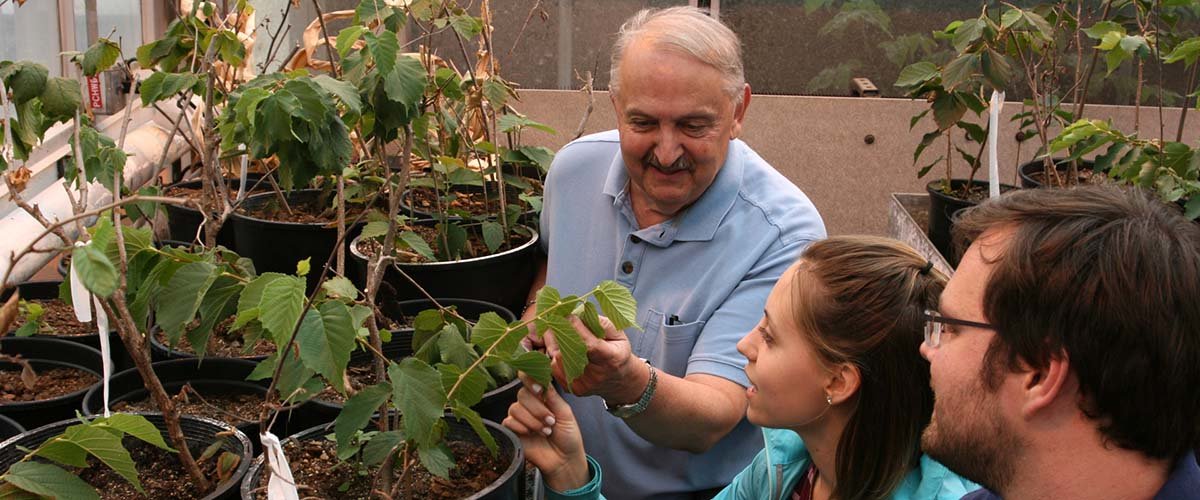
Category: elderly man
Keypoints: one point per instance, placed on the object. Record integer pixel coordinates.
(1065, 359)
(699, 227)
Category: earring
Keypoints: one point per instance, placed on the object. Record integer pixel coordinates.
(829, 399)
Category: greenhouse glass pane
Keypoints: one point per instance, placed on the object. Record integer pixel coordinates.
(30, 32)
(117, 20)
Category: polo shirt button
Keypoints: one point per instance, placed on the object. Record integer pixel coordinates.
(634, 238)
(627, 267)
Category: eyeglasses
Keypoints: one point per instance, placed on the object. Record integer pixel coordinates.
(935, 322)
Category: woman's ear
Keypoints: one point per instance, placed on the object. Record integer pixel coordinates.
(844, 381)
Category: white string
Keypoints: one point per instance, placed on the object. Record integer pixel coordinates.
(993, 139)
(281, 485)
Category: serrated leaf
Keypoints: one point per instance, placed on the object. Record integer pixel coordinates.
(534, 364)
(96, 272)
(617, 304)
(454, 349)
(417, 244)
(181, 299)
(406, 84)
(489, 331)
(374, 229)
(106, 447)
(347, 37)
(476, 422)
(916, 74)
(437, 459)
(355, 415)
(251, 299)
(27, 81)
(162, 85)
(344, 92)
(282, 301)
(948, 110)
(49, 481)
(326, 338)
(136, 426)
(493, 235)
(383, 49)
(100, 56)
(960, 70)
(418, 392)
(339, 286)
(469, 388)
(546, 300)
(380, 445)
(591, 317)
(570, 345)
(60, 98)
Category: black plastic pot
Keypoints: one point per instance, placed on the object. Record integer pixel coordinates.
(943, 209)
(199, 433)
(161, 352)
(1060, 164)
(276, 246)
(46, 290)
(9, 428)
(184, 222)
(503, 278)
(506, 487)
(45, 353)
(209, 376)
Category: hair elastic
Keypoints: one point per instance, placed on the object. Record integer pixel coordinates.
(928, 266)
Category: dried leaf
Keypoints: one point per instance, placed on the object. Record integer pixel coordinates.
(28, 376)
(19, 178)
(9, 312)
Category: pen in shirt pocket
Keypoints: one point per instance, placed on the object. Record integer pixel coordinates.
(672, 320)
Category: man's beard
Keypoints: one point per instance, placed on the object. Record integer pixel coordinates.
(681, 163)
(976, 444)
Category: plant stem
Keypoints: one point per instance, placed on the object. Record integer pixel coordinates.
(1087, 75)
(1186, 97)
(333, 54)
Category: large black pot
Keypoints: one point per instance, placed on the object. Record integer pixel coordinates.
(1060, 164)
(9, 428)
(943, 209)
(422, 213)
(503, 278)
(208, 376)
(47, 353)
(199, 433)
(184, 222)
(46, 290)
(276, 246)
(506, 487)
(162, 352)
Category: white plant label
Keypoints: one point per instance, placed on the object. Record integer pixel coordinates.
(993, 139)
(281, 485)
(85, 304)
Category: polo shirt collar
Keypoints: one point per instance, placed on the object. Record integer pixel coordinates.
(700, 221)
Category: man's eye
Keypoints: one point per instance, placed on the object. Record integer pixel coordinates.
(693, 128)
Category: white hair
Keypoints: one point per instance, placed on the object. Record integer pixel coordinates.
(689, 31)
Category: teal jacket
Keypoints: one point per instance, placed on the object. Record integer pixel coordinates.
(777, 468)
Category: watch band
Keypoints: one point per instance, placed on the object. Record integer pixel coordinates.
(629, 410)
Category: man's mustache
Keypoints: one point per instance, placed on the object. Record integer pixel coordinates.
(681, 163)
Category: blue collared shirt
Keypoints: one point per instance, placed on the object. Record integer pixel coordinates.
(700, 279)
(1182, 484)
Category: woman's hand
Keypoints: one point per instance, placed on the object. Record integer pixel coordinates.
(549, 435)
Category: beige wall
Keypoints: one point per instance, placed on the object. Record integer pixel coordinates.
(818, 143)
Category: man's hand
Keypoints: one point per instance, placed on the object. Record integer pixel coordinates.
(612, 372)
(549, 435)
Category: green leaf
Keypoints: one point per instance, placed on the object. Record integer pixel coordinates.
(418, 392)
(417, 244)
(1099, 30)
(60, 98)
(216, 306)
(591, 318)
(338, 286)
(100, 56)
(476, 422)
(470, 387)
(571, 346)
(136, 426)
(380, 445)
(437, 459)
(249, 302)
(960, 70)
(347, 37)
(355, 415)
(490, 331)
(534, 364)
(1192, 209)
(374, 229)
(383, 48)
(105, 446)
(326, 338)
(48, 481)
(617, 303)
(916, 74)
(344, 92)
(181, 299)
(95, 270)
(303, 267)
(456, 240)
(161, 85)
(493, 235)
(282, 301)
(28, 81)
(948, 110)
(967, 33)
(454, 349)
(406, 84)
(1188, 51)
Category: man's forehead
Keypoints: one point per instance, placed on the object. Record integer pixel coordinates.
(963, 295)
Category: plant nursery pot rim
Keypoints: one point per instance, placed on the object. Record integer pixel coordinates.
(512, 251)
(239, 214)
(932, 191)
(30, 405)
(178, 354)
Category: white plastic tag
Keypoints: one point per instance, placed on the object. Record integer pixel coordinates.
(80, 294)
(281, 485)
(242, 176)
(993, 138)
(105, 349)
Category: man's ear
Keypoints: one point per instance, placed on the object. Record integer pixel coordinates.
(844, 381)
(739, 112)
(1041, 387)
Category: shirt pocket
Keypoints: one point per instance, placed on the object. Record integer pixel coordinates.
(671, 346)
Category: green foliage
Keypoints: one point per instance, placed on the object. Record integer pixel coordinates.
(100, 56)
(45, 481)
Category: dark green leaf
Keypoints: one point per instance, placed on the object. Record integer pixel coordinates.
(488, 335)
(534, 364)
(571, 346)
(136, 426)
(95, 270)
(338, 286)
(467, 26)
(100, 56)
(418, 392)
(356, 413)
(960, 70)
(948, 110)
(326, 338)
(437, 459)
(344, 91)
(417, 244)
(380, 445)
(48, 481)
(472, 417)
(347, 37)
(60, 98)
(406, 84)
(28, 80)
(383, 48)
(916, 74)
(469, 388)
(493, 235)
(181, 299)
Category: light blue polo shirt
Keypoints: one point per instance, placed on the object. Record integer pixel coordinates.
(700, 279)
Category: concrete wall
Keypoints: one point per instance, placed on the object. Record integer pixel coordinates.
(819, 143)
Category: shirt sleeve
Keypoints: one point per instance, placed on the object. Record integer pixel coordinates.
(589, 491)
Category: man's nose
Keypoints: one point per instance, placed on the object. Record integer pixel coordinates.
(668, 148)
(927, 351)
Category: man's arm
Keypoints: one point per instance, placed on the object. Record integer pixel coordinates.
(532, 341)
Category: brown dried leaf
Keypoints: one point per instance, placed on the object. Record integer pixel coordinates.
(28, 377)
(19, 178)
(9, 312)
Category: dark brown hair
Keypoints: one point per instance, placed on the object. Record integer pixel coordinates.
(863, 304)
(1110, 278)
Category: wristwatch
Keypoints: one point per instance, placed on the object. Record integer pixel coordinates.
(629, 410)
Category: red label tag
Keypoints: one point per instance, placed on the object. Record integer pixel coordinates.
(95, 93)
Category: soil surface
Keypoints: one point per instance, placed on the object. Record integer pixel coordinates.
(194, 193)
(58, 319)
(50, 383)
(475, 245)
(319, 474)
(474, 203)
(222, 343)
(360, 374)
(161, 474)
(1086, 177)
(303, 213)
(233, 409)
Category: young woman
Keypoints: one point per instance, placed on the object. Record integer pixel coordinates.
(837, 384)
